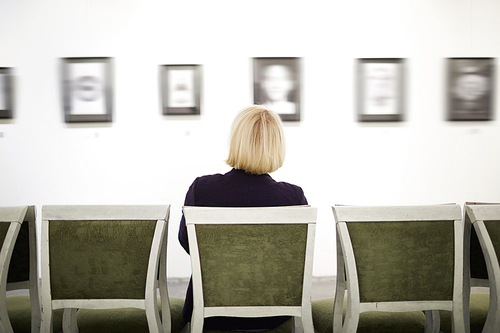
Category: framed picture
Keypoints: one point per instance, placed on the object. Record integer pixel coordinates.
(87, 89)
(276, 83)
(6, 93)
(380, 89)
(470, 88)
(181, 89)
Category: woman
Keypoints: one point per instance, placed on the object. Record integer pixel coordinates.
(257, 148)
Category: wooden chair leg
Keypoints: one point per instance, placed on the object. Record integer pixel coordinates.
(153, 316)
(46, 323)
(166, 316)
(458, 322)
(351, 321)
(432, 321)
(307, 322)
(196, 322)
(339, 290)
(69, 320)
(35, 311)
(5, 325)
(297, 325)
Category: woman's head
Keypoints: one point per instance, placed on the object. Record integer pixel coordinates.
(257, 142)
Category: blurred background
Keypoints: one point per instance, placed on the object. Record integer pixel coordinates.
(144, 157)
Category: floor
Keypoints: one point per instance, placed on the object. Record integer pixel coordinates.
(322, 287)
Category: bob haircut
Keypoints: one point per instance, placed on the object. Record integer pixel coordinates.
(257, 141)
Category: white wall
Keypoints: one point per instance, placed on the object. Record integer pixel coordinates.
(146, 158)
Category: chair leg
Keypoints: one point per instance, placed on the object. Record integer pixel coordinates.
(166, 320)
(297, 325)
(196, 322)
(338, 307)
(69, 321)
(166, 317)
(339, 290)
(306, 321)
(432, 321)
(46, 320)
(351, 321)
(153, 317)
(458, 322)
(35, 312)
(5, 325)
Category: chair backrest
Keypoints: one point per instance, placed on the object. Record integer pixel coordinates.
(18, 259)
(475, 259)
(11, 219)
(24, 264)
(403, 253)
(104, 257)
(250, 257)
(485, 219)
(99, 252)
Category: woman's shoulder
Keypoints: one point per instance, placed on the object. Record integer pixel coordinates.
(209, 179)
(293, 192)
(290, 187)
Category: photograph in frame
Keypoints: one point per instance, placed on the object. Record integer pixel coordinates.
(6, 93)
(180, 89)
(380, 89)
(276, 84)
(470, 88)
(87, 89)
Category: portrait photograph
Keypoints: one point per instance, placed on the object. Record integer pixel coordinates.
(380, 89)
(181, 89)
(276, 85)
(470, 88)
(87, 89)
(6, 93)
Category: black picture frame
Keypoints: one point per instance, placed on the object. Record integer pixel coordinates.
(380, 87)
(87, 89)
(181, 89)
(470, 89)
(6, 93)
(277, 85)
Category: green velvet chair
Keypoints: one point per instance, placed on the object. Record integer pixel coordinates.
(484, 252)
(104, 257)
(369, 322)
(399, 259)
(252, 262)
(19, 256)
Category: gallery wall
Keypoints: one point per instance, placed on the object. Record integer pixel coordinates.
(143, 157)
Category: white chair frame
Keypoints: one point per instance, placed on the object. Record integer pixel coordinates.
(160, 213)
(302, 315)
(476, 215)
(18, 215)
(347, 275)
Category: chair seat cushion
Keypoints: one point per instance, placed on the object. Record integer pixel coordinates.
(19, 309)
(126, 320)
(479, 305)
(372, 322)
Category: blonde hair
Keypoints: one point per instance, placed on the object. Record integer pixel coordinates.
(257, 141)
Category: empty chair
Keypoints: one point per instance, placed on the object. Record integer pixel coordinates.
(399, 259)
(483, 223)
(104, 257)
(251, 262)
(19, 261)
